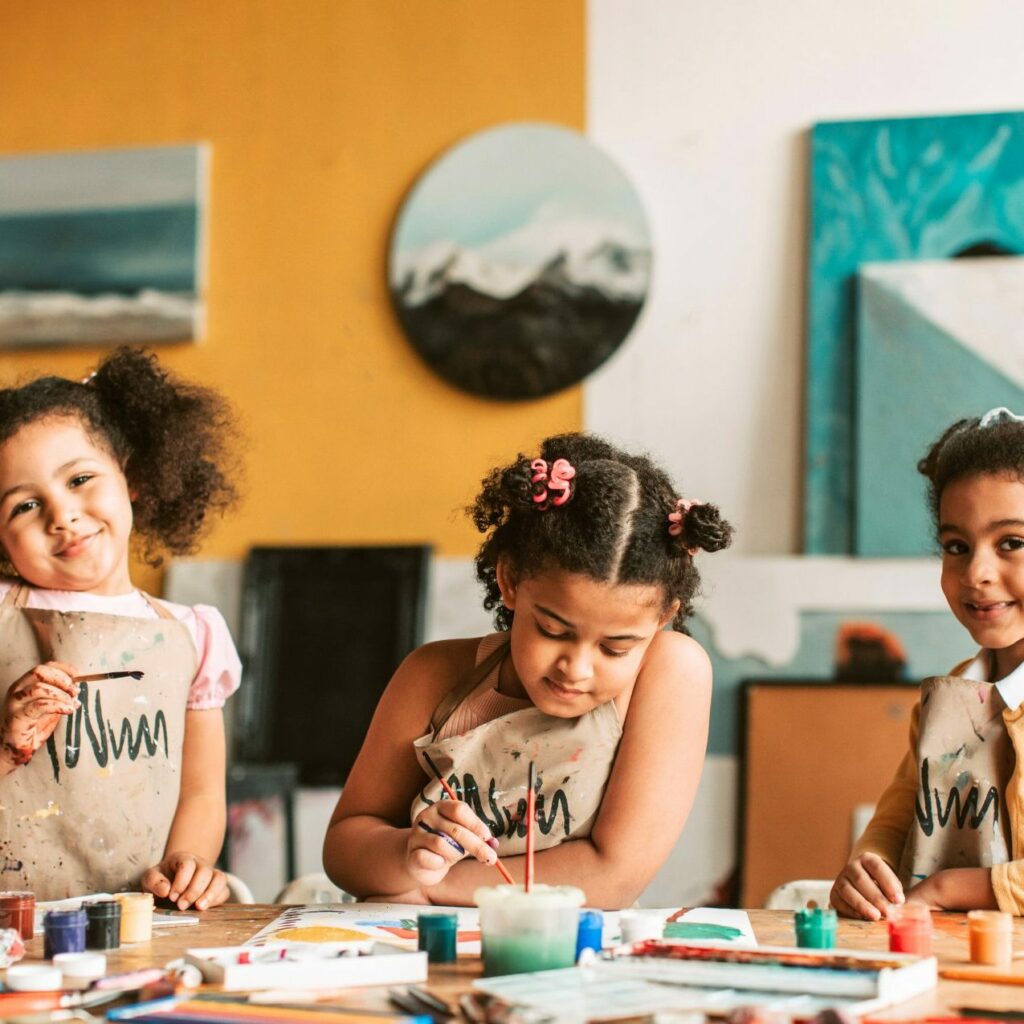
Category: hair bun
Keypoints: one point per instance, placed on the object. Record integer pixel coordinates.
(704, 528)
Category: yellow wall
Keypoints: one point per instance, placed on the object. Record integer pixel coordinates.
(320, 114)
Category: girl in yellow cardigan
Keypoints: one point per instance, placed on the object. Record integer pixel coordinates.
(949, 830)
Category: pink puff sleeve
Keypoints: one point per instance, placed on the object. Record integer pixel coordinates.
(220, 671)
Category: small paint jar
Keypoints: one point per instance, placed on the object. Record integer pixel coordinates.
(990, 933)
(32, 978)
(637, 926)
(104, 928)
(18, 910)
(910, 929)
(136, 916)
(63, 932)
(815, 928)
(80, 970)
(591, 930)
(438, 935)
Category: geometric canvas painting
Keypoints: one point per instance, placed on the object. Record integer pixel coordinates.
(898, 189)
(102, 247)
(936, 341)
(520, 261)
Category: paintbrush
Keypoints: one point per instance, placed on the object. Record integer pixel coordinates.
(450, 793)
(96, 676)
(531, 811)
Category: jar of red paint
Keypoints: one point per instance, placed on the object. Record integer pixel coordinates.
(910, 929)
(18, 910)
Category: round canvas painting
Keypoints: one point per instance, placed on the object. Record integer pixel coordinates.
(520, 261)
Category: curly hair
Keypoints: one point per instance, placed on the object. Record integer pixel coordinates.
(969, 449)
(613, 528)
(174, 441)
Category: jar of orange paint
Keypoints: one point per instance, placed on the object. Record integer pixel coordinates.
(990, 933)
(136, 916)
(910, 929)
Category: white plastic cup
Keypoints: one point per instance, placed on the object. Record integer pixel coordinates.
(528, 931)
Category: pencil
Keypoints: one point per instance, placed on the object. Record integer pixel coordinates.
(531, 810)
(96, 676)
(450, 793)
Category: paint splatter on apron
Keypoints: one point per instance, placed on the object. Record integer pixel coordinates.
(965, 760)
(487, 766)
(92, 810)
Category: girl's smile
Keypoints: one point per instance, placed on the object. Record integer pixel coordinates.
(981, 529)
(65, 509)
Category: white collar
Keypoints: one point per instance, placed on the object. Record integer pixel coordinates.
(1011, 688)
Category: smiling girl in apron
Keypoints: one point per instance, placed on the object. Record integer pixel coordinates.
(109, 784)
(949, 830)
(589, 554)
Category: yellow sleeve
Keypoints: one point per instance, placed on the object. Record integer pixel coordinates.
(1008, 885)
(887, 831)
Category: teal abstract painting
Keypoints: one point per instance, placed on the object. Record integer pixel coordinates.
(102, 247)
(907, 189)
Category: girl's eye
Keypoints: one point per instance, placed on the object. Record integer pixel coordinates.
(955, 547)
(23, 507)
(1012, 543)
(79, 479)
(613, 653)
(551, 636)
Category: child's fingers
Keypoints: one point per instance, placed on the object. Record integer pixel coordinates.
(850, 893)
(186, 869)
(884, 877)
(216, 892)
(198, 884)
(58, 674)
(458, 820)
(156, 882)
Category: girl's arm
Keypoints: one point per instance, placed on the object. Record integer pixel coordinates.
(186, 874)
(958, 889)
(366, 848)
(651, 789)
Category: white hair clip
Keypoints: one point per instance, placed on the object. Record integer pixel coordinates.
(88, 379)
(1000, 415)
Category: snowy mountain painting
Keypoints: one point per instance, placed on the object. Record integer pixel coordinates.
(101, 247)
(520, 261)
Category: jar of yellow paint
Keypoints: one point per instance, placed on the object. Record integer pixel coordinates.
(136, 916)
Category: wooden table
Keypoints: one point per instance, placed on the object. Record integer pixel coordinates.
(233, 924)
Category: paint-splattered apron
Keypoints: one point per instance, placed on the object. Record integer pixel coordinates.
(92, 810)
(965, 760)
(487, 766)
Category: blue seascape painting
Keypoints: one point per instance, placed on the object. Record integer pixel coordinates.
(908, 189)
(102, 247)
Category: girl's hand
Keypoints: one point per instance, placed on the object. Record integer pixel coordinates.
(186, 880)
(441, 836)
(866, 888)
(33, 707)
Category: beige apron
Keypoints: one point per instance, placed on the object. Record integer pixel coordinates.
(965, 760)
(92, 810)
(487, 766)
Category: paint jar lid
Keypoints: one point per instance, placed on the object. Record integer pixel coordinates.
(64, 918)
(16, 899)
(990, 920)
(816, 917)
(910, 914)
(446, 921)
(80, 970)
(135, 900)
(102, 909)
(33, 978)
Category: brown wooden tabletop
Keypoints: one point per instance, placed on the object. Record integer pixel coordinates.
(233, 924)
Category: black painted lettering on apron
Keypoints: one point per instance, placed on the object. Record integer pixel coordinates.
(963, 811)
(105, 737)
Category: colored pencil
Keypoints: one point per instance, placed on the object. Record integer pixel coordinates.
(531, 811)
(96, 676)
(992, 975)
(450, 793)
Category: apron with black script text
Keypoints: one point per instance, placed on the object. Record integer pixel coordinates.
(93, 808)
(488, 765)
(965, 759)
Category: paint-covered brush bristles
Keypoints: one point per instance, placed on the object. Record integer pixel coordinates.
(450, 793)
(97, 676)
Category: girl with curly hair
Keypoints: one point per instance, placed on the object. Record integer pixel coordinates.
(589, 553)
(110, 783)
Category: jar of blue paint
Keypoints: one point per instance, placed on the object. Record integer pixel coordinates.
(590, 931)
(64, 932)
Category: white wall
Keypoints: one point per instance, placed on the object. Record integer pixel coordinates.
(706, 105)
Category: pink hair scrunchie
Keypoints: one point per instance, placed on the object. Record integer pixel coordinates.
(562, 471)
